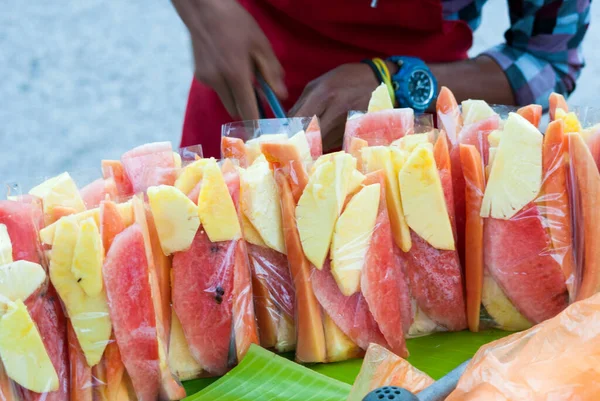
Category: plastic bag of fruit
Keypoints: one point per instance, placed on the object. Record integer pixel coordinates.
(517, 229)
(555, 360)
(383, 368)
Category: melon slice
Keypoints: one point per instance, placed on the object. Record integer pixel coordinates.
(22, 221)
(111, 223)
(380, 128)
(96, 191)
(115, 170)
(149, 164)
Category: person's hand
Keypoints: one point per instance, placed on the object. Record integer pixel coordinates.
(228, 46)
(331, 96)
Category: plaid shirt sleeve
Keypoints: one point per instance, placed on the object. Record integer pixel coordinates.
(542, 53)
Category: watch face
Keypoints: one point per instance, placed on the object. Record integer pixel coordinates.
(420, 87)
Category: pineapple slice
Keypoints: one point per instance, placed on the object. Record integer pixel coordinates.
(345, 166)
(23, 353)
(176, 160)
(215, 206)
(181, 362)
(59, 191)
(500, 308)
(380, 99)
(494, 138)
(190, 176)
(491, 158)
(423, 199)
(475, 110)
(409, 142)
(317, 212)
(352, 237)
(260, 204)
(339, 346)
(18, 280)
(5, 246)
(253, 145)
(88, 258)
(175, 216)
(399, 157)
(380, 158)
(572, 123)
(250, 234)
(300, 141)
(88, 314)
(516, 175)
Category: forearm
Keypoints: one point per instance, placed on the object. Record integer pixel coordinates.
(478, 78)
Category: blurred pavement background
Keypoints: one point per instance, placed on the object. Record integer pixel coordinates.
(86, 80)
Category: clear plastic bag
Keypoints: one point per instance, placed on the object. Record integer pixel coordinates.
(555, 360)
(383, 368)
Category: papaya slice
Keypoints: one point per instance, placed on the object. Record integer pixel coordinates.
(557, 101)
(234, 148)
(285, 156)
(532, 113)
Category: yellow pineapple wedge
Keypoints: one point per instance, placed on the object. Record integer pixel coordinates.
(253, 145)
(423, 199)
(380, 99)
(23, 353)
(5, 246)
(475, 110)
(494, 138)
(260, 204)
(499, 307)
(175, 216)
(516, 175)
(379, 158)
(190, 176)
(317, 212)
(352, 237)
(176, 160)
(250, 234)
(215, 206)
(339, 346)
(572, 123)
(125, 210)
(88, 258)
(410, 142)
(181, 362)
(88, 314)
(59, 191)
(300, 141)
(18, 280)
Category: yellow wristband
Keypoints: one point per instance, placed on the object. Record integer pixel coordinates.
(387, 78)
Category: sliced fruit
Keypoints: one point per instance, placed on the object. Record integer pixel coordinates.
(81, 387)
(267, 313)
(380, 128)
(339, 346)
(352, 237)
(111, 371)
(175, 216)
(285, 156)
(88, 314)
(8, 388)
(556, 101)
(310, 337)
(253, 150)
(475, 185)
(176, 160)
(556, 195)
(251, 236)
(532, 113)
(61, 211)
(95, 192)
(88, 257)
(5, 246)
(190, 176)
(383, 273)
(354, 148)
(572, 123)
(150, 164)
(422, 325)
(300, 141)
(448, 114)
(22, 220)
(259, 203)
(380, 99)
(18, 280)
(409, 142)
(443, 161)
(23, 353)
(234, 148)
(499, 307)
(317, 212)
(516, 176)
(114, 169)
(423, 199)
(215, 207)
(111, 223)
(379, 158)
(59, 191)
(517, 256)
(494, 139)
(132, 310)
(587, 187)
(181, 362)
(475, 110)
(313, 136)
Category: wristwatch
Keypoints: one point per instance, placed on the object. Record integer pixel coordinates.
(414, 83)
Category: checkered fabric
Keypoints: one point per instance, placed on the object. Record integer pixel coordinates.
(542, 52)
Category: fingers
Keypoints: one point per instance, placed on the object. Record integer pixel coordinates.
(270, 68)
(241, 88)
(311, 103)
(220, 86)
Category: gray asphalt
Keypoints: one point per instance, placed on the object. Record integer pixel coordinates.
(85, 80)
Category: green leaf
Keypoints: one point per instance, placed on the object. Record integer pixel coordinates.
(265, 376)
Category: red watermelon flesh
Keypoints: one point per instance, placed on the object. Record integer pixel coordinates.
(313, 136)
(351, 314)
(518, 255)
(202, 298)
(195, 193)
(114, 169)
(150, 164)
(380, 127)
(46, 311)
(96, 191)
(126, 278)
(382, 280)
(23, 219)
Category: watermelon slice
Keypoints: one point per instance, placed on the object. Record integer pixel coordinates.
(351, 314)
(517, 253)
(313, 136)
(114, 169)
(382, 282)
(96, 191)
(81, 373)
(47, 313)
(131, 309)
(148, 165)
(380, 127)
(23, 218)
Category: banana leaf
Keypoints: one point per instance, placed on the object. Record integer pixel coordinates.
(263, 375)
